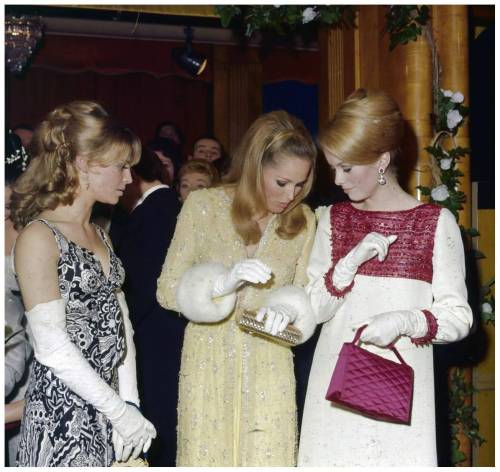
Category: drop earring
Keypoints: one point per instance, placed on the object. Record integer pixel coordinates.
(381, 180)
(86, 182)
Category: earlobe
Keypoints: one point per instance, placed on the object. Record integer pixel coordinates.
(384, 161)
(81, 164)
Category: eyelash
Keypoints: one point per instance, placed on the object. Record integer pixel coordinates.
(346, 170)
(282, 184)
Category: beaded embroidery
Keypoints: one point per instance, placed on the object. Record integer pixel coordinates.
(410, 256)
(432, 327)
(328, 277)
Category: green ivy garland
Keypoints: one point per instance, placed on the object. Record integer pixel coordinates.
(404, 23)
(283, 19)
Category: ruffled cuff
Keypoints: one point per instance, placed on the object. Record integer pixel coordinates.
(298, 301)
(432, 327)
(332, 289)
(194, 294)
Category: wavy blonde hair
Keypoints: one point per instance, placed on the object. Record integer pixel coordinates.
(365, 126)
(272, 137)
(79, 128)
(200, 166)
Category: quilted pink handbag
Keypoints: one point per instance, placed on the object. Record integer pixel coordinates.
(371, 384)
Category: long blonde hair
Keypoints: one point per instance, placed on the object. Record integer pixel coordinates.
(365, 126)
(79, 128)
(273, 136)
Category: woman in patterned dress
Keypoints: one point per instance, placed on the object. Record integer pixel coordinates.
(82, 402)
(237, 391)
(386, 260)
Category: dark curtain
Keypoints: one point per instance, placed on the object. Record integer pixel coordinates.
(134, 80)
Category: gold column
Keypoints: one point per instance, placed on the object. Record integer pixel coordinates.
(451, 34)
(337, 75)
(413, 91)
(237, 93)
(405, 73)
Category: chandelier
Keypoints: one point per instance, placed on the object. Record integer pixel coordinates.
(21, 37)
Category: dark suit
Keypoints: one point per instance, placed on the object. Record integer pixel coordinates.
(141, 241)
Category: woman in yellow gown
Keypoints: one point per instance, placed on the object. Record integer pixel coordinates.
(243, 246)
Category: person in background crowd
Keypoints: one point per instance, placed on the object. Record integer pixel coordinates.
(18, 352)
(25, 133)
(82, 404)
(170, 156)
(169, 130)
(239, 247)
(209, 148)
(142, 244)
(194, 175)
(385, 260)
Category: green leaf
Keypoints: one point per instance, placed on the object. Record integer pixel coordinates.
(473, 232)
(424, 190)
(478, 254)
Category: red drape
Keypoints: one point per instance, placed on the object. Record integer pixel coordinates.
(135, 80)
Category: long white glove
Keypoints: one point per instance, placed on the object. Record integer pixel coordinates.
(54, 349)
(373, 244)
(127, 384)
(277, 317)
(248, 270)
(385, 328)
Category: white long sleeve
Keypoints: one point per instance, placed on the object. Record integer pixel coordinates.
(450, 306)
(324, 305)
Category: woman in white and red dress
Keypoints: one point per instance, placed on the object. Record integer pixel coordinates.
(395, 264)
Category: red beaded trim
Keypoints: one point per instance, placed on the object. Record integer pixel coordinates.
(409, 257)
(432, 327)
(328, 277)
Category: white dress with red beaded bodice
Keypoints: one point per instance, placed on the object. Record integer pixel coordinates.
(424, 270)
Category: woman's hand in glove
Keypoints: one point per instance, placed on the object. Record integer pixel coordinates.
(373, 244)
(122, 452)
(277, 317)
(385, 328)
(135, 432)
(248, 270)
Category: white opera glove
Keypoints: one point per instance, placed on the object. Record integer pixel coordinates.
(277, 317)
(127, 371)
(54, 349)
(127, 384)
(373, 244)
(385, 328)
(248, 270)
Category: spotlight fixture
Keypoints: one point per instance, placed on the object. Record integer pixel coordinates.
(187, 58)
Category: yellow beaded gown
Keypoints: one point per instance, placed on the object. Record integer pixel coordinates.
(236, 391)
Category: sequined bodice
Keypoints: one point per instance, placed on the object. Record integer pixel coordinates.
(410, 256)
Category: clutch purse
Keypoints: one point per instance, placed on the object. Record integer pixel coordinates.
(372, 385)
(290, 336)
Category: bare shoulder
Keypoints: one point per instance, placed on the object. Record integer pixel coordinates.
(36, 243)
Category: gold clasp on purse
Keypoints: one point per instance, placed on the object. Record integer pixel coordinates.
(290, 336)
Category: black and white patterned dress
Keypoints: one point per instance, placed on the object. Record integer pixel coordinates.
(59, 428)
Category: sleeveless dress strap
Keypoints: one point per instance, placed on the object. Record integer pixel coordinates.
(104, 236)
(62, 242)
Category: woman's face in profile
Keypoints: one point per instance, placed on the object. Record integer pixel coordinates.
(283, 180)
(358, 182)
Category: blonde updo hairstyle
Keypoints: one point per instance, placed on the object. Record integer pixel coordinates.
(79, 128)
(272, 137)
(368, 124)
